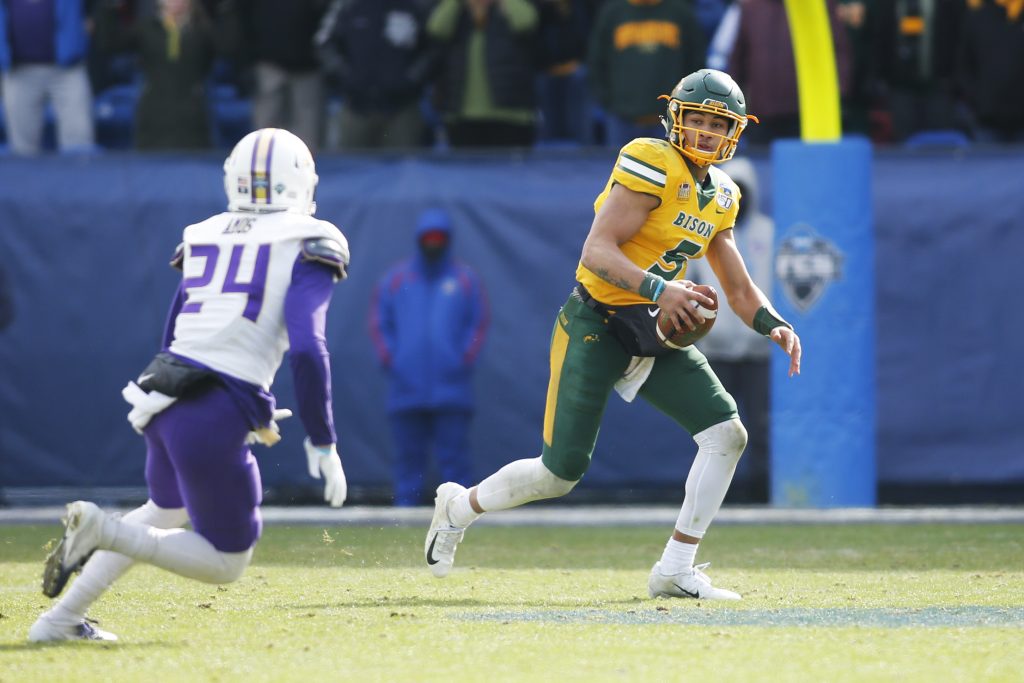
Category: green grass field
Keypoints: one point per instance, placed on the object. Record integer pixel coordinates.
(821, 603)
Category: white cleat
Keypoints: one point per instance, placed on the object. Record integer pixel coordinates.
(46, 630)
(693, 583)
(83, 523)
(443, 537)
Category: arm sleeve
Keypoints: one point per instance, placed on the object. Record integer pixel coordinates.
(522, 16)
(305, 314)
(172, 315)
(330, 44)
(442, 21)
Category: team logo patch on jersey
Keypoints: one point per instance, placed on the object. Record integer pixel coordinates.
(807, 264)
(724, 198)
(684, 192)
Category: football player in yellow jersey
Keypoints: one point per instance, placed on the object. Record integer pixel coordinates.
(664, 204)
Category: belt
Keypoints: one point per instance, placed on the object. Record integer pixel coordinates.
(590, 302)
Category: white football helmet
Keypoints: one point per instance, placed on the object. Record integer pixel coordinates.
(270, 170)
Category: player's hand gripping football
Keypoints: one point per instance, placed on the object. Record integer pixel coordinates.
(324, 460)
(789, 341)
(677, 302)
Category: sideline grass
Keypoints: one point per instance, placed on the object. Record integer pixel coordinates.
(821, 603)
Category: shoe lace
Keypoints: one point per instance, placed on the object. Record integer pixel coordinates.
(698, 571)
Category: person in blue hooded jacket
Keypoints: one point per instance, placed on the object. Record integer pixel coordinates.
(429, 317)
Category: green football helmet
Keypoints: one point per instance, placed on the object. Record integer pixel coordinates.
(711, 92)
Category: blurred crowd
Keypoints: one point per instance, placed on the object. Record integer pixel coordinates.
(363, 74)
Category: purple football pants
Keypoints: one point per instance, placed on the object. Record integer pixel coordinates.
(196, 458)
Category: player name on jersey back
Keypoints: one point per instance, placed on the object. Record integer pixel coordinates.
(236, 272)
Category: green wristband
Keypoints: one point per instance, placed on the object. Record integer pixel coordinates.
(652, 286)
(765, 321)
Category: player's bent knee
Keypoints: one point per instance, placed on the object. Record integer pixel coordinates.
(553, 486)
(567, 465)
(233, 565)
(727, 438)
(153, 515)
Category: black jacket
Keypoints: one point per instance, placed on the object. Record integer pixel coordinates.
(376, 52)
(511, 58)
(990, 66)
(281, 32)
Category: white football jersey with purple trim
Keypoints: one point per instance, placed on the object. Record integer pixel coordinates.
(237, 269)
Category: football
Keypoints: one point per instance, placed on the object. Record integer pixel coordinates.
(673, 339)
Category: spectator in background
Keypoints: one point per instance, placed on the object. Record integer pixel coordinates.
(377, 54)
(43, 46)
(913, 52)
(486, 90)
(739, 355)
(709, 15)
(990, 69)
(857, 105)
(428, 320)
(289, 86)
(721, 41)
(176, 51)
(564, 97)
(761, 61)
(637, 49)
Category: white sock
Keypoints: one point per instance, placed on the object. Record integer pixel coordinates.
(185, 553)
(461, 512)
(678, 557)
(106, 567)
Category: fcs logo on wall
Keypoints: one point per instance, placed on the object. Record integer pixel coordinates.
(806, 264)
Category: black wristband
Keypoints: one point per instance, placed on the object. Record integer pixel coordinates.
(765, 321)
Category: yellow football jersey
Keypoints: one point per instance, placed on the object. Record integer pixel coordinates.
(683, 225)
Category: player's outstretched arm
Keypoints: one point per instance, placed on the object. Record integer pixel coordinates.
(748, 301)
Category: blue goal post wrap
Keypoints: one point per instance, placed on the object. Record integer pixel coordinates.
(823, 421)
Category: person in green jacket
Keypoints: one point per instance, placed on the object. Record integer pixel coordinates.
(176, 48)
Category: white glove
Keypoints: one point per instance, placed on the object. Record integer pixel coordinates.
(270, 434)
(324, 460)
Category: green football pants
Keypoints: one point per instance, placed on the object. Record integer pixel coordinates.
(586, 361)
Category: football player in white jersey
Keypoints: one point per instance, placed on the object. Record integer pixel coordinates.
(256, 281)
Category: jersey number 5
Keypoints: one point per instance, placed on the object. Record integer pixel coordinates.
(231, 285)
(673, 260)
